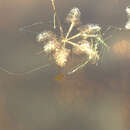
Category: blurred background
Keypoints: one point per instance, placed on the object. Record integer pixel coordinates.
(98, 97)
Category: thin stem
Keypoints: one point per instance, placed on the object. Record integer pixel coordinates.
(70, 29)
(23, 73)
(92, 36)
(8, 72)
(78, 67)
(75, 36)
(37, 69)
(53, 5)
(56, 18)
(102, 42)
(54, 21)
(72, 43)
(79, 34)
(26, 28)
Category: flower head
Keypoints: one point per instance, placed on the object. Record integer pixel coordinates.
(82, 48)
(89, 28)
(127, 26)
(85, 48)
(73, 16)
(128, 10)
(60, 56)
(45, 35)
(85, 42)
(51, 46)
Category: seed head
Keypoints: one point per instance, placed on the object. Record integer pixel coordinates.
(46, 35)
(128, 10)
(89, 28)
(61, 56)
(83, 48)
(51, 46)
(73, 16)
(127, 26)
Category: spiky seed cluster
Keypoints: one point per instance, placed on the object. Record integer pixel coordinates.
(127, 26)
(56, 45)
(45, 35)
(82, 48)
(51, 46)
(86, 48)
(89, 28)
(93, 28)
(128, 10)
(73, 16)
(94, 56)
(61, 56)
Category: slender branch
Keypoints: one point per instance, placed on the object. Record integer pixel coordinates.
(80, 34)
(78, 67)
(72, 43)
(26, 28)
(8, 72)
(75, 36)
(23, 73)
(37, 69)
(53, 5)
(54, 21)
(70, 29)
(102, 42)
(56, 18)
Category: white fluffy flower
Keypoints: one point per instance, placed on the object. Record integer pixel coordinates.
(45, 35)
(127, 26)
(128, 10)
(83, 47)
(61, 56)
(89, 28)
(74, 16)
(51, 46)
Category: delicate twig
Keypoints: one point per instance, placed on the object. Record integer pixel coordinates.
(53, 5)
(78, 67)
(72, 43)
(70, 29)
(25, 28)
(75, 36)
(23, 73)
(56, 18)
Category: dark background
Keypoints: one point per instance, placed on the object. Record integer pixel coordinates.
(95, 98)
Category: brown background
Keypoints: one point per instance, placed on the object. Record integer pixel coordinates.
(95, 98)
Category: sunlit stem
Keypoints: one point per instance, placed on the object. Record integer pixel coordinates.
(79, 34)
(53, 5)
(70, 29)
(72, 43)
(91, 35)
(56, 18)
(78, 67)
(102, 42)
(23, 73)
(54, 21)
(75, 36)
(37, 69)
(8, 72)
